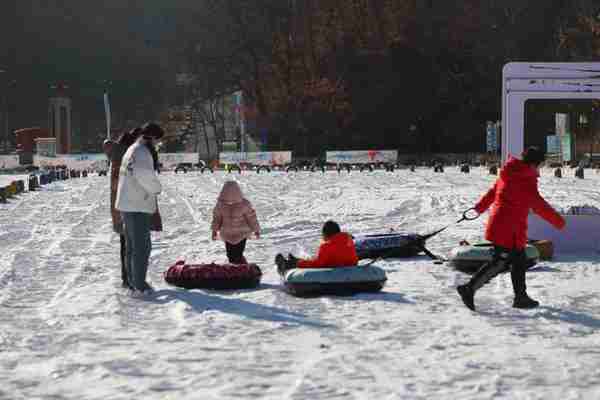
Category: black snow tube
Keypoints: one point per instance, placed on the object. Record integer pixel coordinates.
(263, 167)
(366, 166)
(389, 245)
(469, 259)
(313, 168)
(338, 281)
(204, 169)
(292, 168)
(213, 276)
(234, 167)
(347, 167)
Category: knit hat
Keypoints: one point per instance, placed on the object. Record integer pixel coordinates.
(330, 228)
(152, 130)
(533, 155)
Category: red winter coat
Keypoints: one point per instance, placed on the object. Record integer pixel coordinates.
(513, 195)
(337, 251)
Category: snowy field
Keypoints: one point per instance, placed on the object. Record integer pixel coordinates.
(68, 331)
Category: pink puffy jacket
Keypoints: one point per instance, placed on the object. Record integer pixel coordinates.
(233, 216)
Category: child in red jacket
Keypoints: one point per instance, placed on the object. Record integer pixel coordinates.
(512, 196)
(336, 250)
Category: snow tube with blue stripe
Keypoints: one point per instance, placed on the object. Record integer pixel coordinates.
(388, 245)
(339, 281)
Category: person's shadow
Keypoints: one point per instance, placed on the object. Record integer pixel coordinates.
(556, 314)
(201, 301)
(568, 316)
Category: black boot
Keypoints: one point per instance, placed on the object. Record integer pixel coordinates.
(517, 275)
(467, 295)
(524, 301)
(481, 277)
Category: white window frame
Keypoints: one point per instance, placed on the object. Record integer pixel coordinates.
(522, 81)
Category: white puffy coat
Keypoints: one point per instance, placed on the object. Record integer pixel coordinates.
(138, 183)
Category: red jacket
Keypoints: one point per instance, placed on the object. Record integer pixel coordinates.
(513, 195)
(337, 251)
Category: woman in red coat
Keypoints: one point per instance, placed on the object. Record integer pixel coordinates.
(336, 250)
(512, 196)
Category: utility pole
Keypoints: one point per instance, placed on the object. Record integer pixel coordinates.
(5, 138)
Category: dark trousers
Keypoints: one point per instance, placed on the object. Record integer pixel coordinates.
(123, 261)
(503, 259)
(235, 252)
(138, 246)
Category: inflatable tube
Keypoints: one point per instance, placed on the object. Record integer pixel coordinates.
(340, 281)
(288, 169)
(213, 276)
(347, 167)
(390, 167)
(313, 168)
(10, 190)
(388, 245)
(204, 169)
(366, 166)
(469, 259)
(261, 167)
(236, 167)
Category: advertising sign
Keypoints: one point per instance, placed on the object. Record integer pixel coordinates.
(257, 158)
(561, 123)
(9, 161)
(170, 160)
(73, 161)
(553, 144)
(491, 135)
(566, 147)
(362, 156)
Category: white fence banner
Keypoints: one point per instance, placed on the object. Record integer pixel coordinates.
(257, 158)
(362, 156)
(96, 161)
(9, 161)
(170, 160)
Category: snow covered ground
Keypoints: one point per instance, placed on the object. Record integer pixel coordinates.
(68, 331)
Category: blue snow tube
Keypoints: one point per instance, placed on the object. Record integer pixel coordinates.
(339, 281)
(388, 245)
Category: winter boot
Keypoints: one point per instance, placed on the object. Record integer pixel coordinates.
(524, 301)
(467, 295)
(481, 277)
(517, 275)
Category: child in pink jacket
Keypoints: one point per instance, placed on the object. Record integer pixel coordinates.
(235, 220)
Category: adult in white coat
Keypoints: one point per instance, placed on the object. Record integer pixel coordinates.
(137, 194)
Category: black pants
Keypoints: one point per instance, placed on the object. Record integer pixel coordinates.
(235, 252)
(123, 261)
(503, 259)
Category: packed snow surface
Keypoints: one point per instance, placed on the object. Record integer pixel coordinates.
(69, 331)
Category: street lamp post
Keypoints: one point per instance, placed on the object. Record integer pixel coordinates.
(107, 85)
